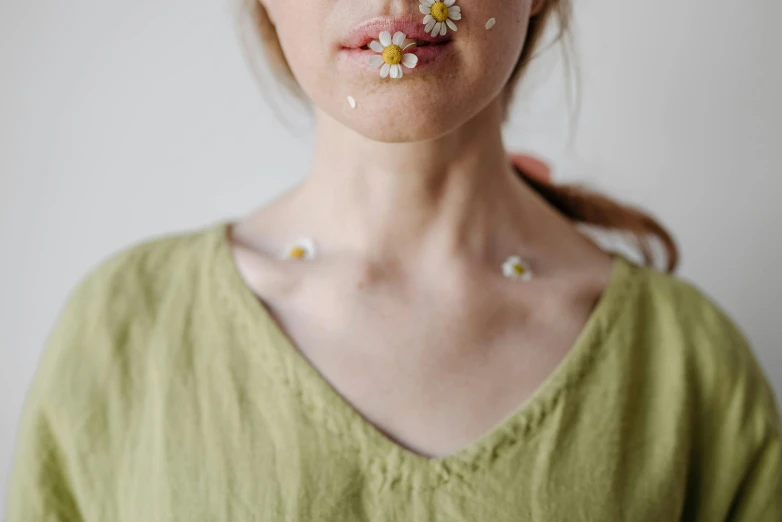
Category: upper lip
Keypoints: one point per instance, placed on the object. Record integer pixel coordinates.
(363, 33)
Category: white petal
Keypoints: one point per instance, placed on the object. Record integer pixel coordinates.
(376, 46)
(451, 24)
(428, 18)
(454, 9)
(424, 9)
(409, 60)
(384, 70)
(399, 38)
(449, 3)
(375, 61)
(455, 16)
(443, 28)
(429, 25)
(436, 29)
(490, 23)
(429, 2)
(394, 71)
(352, 102)
(385, 38)
(399, 72)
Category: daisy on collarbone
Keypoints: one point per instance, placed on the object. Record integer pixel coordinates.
(439, 15)
(303, 249)
(516, 268)
(392, 55)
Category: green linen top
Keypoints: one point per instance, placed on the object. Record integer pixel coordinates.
(166, 392)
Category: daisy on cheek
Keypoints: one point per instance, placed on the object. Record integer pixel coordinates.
(392, 55)
(439, 15)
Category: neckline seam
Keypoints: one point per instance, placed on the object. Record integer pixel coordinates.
(515, 428)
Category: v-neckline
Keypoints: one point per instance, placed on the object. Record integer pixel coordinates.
(329, 408)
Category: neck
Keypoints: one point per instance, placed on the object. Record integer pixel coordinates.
(455, 196)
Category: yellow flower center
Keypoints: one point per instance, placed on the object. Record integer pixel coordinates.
(297, 252)
(440, 11)
(392, 54)
(519, 269)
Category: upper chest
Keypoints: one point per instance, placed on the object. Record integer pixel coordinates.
(433, 367)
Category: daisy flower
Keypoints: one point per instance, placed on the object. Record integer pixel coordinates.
(515, 268)
(304, 248)
(440, 14)
(392, 55)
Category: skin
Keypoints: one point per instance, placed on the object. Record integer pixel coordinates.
(414, 207)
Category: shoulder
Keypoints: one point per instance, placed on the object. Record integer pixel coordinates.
(101, 335)
(145, 266)
(84, 398)
(133, 283)
(692, 337)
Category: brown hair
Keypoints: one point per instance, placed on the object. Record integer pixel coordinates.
(577, 203)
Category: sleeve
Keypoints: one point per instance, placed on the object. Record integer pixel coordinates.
(42, 487)
(759, 499)
(736, 459)
(79, 409)
(62, 426)
(747, 431)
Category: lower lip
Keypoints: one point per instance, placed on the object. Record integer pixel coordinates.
(428, 56)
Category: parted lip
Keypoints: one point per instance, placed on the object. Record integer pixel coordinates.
(363, 33)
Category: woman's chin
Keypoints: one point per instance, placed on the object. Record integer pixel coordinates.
(402, 126)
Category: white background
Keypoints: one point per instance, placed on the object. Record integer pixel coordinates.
(124, 120)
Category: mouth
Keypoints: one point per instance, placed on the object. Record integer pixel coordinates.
(429, 49)
(416, 44)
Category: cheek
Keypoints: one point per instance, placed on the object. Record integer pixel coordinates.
(301, 28)
(491, 54)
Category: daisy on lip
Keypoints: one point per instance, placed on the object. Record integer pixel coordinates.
(392, 54)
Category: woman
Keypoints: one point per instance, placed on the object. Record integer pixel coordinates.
(418, 331)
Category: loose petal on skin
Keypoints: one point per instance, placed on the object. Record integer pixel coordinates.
(352, 102)
(490, 23)
(409, 60)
